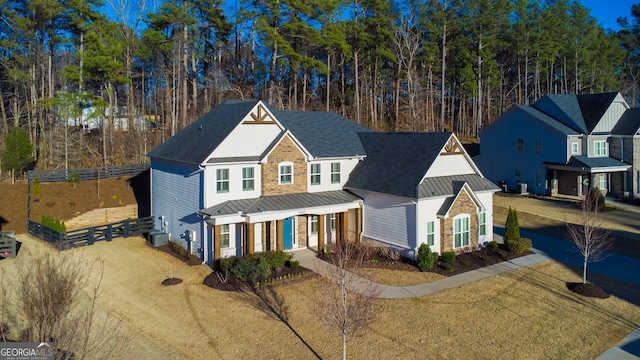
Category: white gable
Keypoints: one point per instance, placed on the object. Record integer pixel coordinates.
(252, 136)
(612, 115)
(452, 160)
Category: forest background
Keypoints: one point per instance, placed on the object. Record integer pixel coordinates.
(135, 72)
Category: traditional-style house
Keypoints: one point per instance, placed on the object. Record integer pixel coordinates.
(562, 144)
(246, 177)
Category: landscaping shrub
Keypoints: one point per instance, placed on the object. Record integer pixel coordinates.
(596, 200)
(227, 264)
(511, 228)
(389, 253)
(519, 246)
(426, 258)
(36, 186)
(74, 179)
(449, 267)
(53, 223)
(276, 259)
(244, 269)
(448, 257)
(293, 264)
(493, 246)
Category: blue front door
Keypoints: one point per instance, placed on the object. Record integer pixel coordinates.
(287, 233)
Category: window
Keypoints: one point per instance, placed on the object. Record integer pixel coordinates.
(461, 231)
(222, 180)
(431, 235)
(285, 173)
(333, 221)
(248, 180)
(313, 224)
(575, 148)
(538, 146)
(520, 145)
(224, 236)
(335, 173)
(315, 174)
(600, 148)
(603, 182)
(538, 178)
(482, 223)
(638, 181)
(518, 175)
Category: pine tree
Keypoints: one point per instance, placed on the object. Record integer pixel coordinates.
(18, 152)
(511, 228)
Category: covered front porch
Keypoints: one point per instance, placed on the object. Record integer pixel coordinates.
(281, 222)
(581, 174)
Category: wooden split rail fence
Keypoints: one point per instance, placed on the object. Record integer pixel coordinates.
(89, 235)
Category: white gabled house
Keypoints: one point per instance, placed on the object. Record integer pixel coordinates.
(246, 177)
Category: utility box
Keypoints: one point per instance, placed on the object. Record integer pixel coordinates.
(158, 238)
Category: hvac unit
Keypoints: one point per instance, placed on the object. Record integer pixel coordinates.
(158, 238)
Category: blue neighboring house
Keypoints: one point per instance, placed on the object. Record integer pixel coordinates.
(247, 177)
(564, 144)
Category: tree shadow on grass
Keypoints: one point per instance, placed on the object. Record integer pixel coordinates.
(267, 300)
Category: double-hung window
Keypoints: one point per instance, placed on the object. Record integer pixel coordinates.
(313, 224)
(575, 148)
(315, 174)
(600, 148)
(461, 231)
(224, 236)
(335, 172)
(285, 173)
(431, 234)
(333, 221)
(603, 182)
(222, 180)
(482, 223)
(520, 145)
(248, 180)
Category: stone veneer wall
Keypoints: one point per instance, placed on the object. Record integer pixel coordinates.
(302, 231)
(463, 205)
(285, 151)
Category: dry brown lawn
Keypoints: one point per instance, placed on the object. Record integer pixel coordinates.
(399, 277)
(525, 314)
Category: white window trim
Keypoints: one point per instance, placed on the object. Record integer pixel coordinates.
(462, 218)
(431, 233)
(318, 174)
(280, 174)
(220, 181)
(600, 151)
(252, 179)
(602, 183)
(575, 148)
(482, 223)
(332, 221)
(336, 173)
(313, 219)
(225, 231)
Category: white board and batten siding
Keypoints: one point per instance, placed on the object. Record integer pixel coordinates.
(447, 165)
(486, 199)
(176, 200)
(247, 140)
(612, 115)
(428, 211)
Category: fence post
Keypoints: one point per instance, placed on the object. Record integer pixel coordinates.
(90, 238)
(126, 228)
(109, 234)
(60, 241)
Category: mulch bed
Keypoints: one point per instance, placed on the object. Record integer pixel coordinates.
(464, 261)
(171, 281)
(189, 260)
(587, 289)
(283, 276)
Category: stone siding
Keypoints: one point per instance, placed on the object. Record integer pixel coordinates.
(463, 205)
(302, 232)
(285, 151)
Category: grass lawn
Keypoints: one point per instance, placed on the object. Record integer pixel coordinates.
(524, 314)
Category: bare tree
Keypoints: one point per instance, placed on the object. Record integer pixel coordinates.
(53, 298)
(346, 299)
(590, 237)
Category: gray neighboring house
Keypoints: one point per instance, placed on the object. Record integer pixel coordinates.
(565, 144)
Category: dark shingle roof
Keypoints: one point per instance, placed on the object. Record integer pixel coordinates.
(281, 203)
(546, 119)
(451, 185)
(595, 163)
(198, 140)
(396, 162)
(580, 112)
(323, 134)
(629, 123)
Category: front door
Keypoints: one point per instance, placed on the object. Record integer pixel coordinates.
(287, 233)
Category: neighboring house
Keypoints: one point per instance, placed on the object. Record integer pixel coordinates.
(246, 177)
(562, 144)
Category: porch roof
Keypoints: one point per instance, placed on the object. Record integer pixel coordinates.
(286, 202)
(592, 165)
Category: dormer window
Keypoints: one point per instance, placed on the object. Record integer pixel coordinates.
(285, 173)
(575, 148)
(600, 148)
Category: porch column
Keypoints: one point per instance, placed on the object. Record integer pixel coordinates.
(358, 224)
(344, 226)
(321, 232)
(250, 238)
(279, 234)
(216, 242)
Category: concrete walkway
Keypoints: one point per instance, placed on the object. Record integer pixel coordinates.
(545, 248)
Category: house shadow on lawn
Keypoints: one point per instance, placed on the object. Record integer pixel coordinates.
(632, 347)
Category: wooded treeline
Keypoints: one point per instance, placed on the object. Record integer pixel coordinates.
(412, 65)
